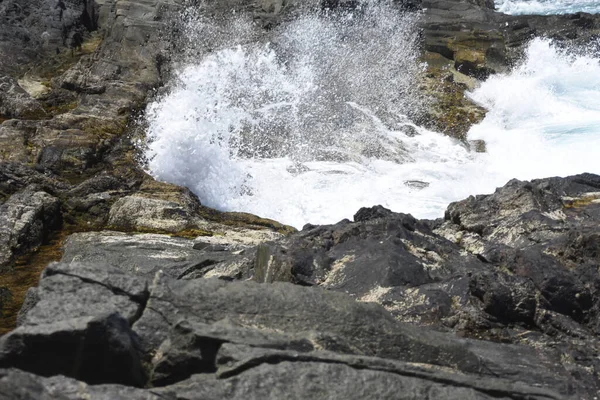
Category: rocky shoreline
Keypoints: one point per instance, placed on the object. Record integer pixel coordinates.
(499, 299)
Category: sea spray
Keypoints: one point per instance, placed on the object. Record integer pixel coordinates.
(547, 7)
(314, 121)
(544, 117)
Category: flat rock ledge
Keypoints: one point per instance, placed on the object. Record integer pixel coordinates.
(385, 307)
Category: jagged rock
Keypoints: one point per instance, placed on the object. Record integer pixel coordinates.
(518, 266)
(33, 29)
(25, 221)
(407, 262)
(237, 332)
(16, 102)
(15, 177)
(542, 230)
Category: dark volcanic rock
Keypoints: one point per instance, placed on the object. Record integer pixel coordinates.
(544, 234)
(209, 336)
(192, 337)
(273, 374)
(16, 384)
(94, 350)
(517, 266)
(481, 41)
(32, 29)
(383, 256)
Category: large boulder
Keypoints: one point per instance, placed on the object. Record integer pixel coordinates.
(95, 350)
(16, 384)
(209, 336)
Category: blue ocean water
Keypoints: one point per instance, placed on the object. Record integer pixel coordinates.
(547, 7)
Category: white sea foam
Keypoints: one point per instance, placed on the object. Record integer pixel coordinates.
(313, 126)
(544, 117)
(547, 7)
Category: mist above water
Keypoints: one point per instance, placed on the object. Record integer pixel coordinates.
(547, 7)
(313, 121)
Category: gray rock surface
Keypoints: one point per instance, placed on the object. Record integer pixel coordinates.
(16, 102)
(235, 334)
(25, 220)
(95, 350)
(517, 266)
(16, 384)
(33, 29)
(481, 41)
(146, 254)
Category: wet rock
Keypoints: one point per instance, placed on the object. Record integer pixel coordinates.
(280, 374)
(449, 110)
(477, 146)
(5, 298)
(416, 184)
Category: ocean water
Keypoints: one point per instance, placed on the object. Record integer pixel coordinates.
(544, 117)
(547, 7)
(315, 123)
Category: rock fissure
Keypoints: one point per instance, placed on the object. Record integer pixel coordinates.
(141, 299)
(307, 358)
